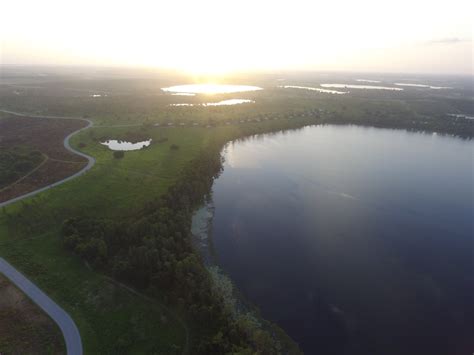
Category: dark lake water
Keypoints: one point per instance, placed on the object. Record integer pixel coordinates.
(354, 240)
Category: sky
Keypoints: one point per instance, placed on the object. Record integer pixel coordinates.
(214, 36)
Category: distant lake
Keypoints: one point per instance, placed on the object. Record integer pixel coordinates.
(114, 144)
(367, 81)
(229, 102)
(183, 94)
(354, 240)
(356, 86)
(326, 91)
(424, 86)
(210, 89)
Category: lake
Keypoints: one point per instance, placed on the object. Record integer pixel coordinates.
(229, 102)
(424, 86)
(354, 240)
(210, 89)
(326, 91)
(367, 80)
(114, 144)
(364, 87)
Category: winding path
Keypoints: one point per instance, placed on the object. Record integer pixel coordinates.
(69, 329)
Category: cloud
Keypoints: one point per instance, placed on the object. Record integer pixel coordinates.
(446, 41)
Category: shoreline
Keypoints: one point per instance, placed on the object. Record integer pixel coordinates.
(222, 283)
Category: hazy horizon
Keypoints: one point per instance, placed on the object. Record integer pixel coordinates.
(211, 37)
(227, 75)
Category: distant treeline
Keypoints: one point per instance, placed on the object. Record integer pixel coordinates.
(459, 127)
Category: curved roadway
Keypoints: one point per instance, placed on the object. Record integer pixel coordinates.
(69, 329)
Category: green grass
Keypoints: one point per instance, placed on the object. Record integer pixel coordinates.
(125, 184)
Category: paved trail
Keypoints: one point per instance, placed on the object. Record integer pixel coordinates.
(62, 319)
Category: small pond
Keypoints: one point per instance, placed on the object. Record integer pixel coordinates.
(114, 144)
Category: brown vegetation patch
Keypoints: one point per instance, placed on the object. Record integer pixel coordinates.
(46, 136)
(24, 328)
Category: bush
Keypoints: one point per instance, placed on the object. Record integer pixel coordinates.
(119, 154)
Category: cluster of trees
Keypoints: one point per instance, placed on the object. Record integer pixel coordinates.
(152, 250)
(118, 154)
(16, 162)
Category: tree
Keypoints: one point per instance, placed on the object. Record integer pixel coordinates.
(119, 154)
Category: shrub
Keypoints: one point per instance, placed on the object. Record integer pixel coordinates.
(119, 154)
